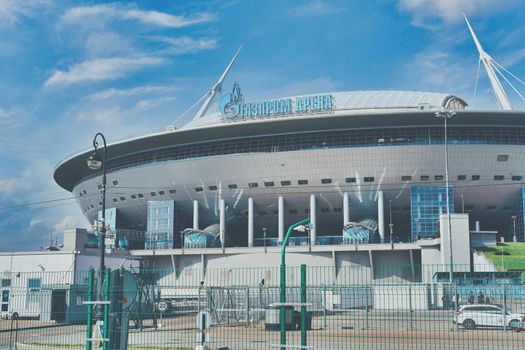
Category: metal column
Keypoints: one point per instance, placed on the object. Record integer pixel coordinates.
(280, 209)
(346, 209)
(195, 215)
(313, 220)
(381, 215)
(250, 222)
(222, 221)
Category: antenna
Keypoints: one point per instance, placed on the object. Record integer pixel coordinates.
(216, 88)
(490, 67)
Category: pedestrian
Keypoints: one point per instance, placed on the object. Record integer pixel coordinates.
(481, 297)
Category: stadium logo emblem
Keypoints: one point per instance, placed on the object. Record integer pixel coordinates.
(230, 104)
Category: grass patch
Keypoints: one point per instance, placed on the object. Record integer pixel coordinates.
(513, 255)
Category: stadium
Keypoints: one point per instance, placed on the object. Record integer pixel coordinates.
(366, 167)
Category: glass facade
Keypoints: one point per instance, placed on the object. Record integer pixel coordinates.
(520, 222)
(426, 204)
(161, 222)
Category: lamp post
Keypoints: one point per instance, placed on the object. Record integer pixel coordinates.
(446, 115)
(514, 237)
(94, 162)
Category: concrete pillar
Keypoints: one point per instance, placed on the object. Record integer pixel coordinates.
(346, 209)
(222, 221)
(250, 222)
(280, 208)
(195, 215)
(313, 220)
(381, 215)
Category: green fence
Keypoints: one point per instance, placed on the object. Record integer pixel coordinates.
(348, 307)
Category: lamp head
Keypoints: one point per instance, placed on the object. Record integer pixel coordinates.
(94, 162)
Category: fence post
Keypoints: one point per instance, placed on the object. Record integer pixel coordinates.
(89, 323)
(105, 327)
(303, 306)
(282, 299)
(247, 306)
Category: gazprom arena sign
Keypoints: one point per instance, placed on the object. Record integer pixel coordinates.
(232, 105)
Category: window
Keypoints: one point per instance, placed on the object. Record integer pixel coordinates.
(369, 179)
(237, 213)
(507, 208)
(293, 211)
(140, 195)
(6, 282)
(438, 177)
(133, 196)
(262, 213)
(499, 177)
(232, 186)
(350, 180)
(122, 199)
(286, 183)
(516, 178)
(325, 210)
(276, 212)
(115, 200)
(253, 185)
(491, 207)
(173, 191)
(99, 186)
(85, 193)
(93, 207)
(337, 210)
(502, 157)
(33, 283)
(326, 181)
(462, 177)
(424, 177)
(469, 207)
(100, 203)
(115, 183)
(199, 189)
(212, 188)
(302, 182)
(153, 194)
(307, 211)
(406, 178)
(162, 193)
(475, 177)
(269, 183)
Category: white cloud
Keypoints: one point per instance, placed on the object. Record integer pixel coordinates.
(154, 102)
(139, 90)
(117, 12)
(108, 115)
(65, 223)
(12, 10)
(425, 13)
(185, 44)
(35, 222)
(315, 8)
(101, 69)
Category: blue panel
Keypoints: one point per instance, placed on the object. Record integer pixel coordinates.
(426, 204)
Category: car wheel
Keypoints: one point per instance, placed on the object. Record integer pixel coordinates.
(14, 316)
(513, 324)
(469, 324)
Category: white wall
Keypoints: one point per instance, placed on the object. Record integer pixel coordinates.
(460, 241)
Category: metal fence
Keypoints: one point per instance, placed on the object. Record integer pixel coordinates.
(391, 307)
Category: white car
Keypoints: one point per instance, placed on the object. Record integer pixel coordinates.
(487, 315)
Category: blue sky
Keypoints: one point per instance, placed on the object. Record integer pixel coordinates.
(71, 68)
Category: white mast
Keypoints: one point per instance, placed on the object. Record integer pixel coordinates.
(216, 88)
(488, 63)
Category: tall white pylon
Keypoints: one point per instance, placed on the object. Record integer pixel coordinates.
(489, 64)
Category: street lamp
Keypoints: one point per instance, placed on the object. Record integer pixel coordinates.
(94, 162)
(446, 115)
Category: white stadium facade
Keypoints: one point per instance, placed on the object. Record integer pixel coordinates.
(368, 168)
